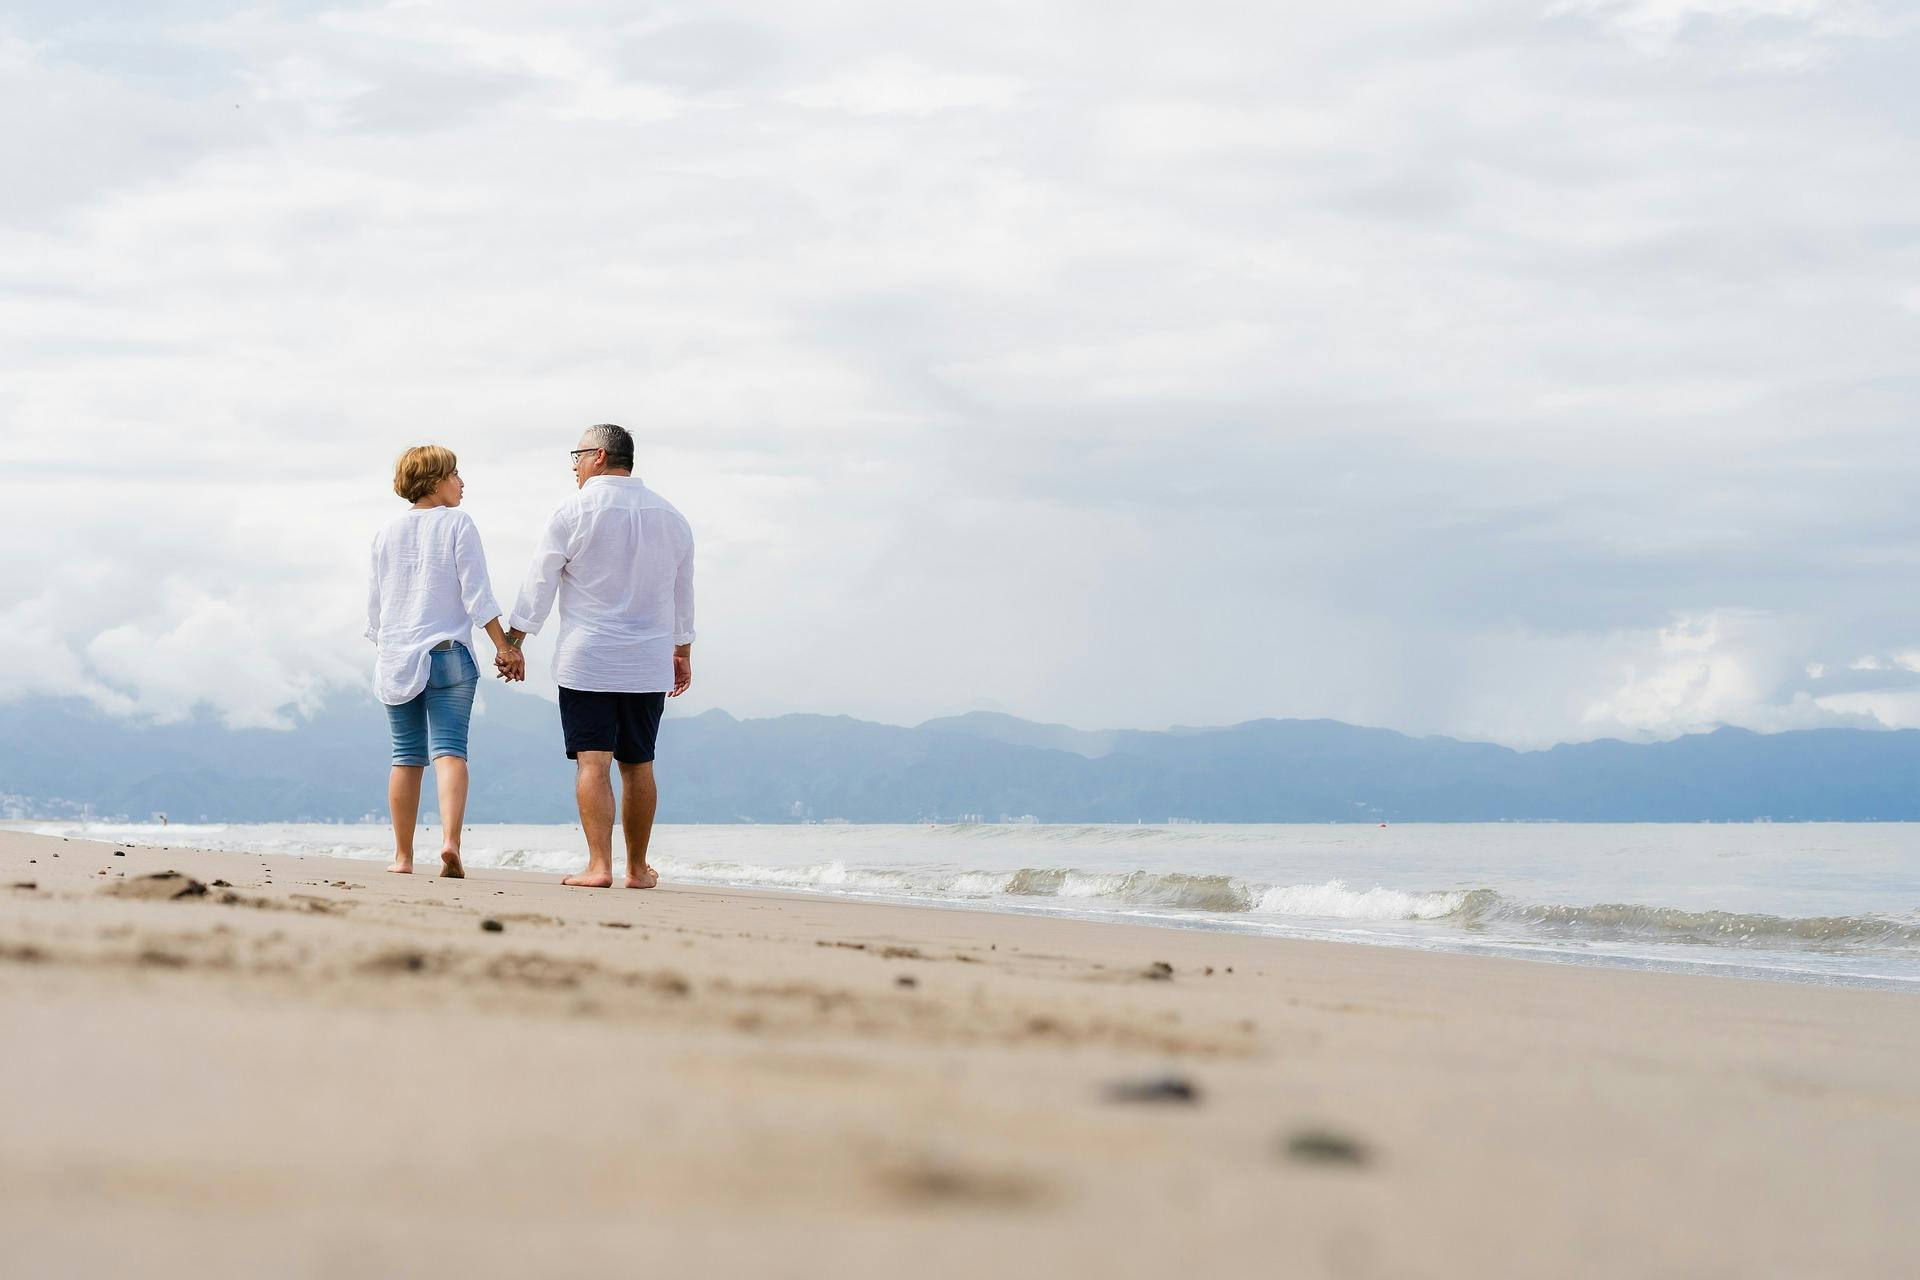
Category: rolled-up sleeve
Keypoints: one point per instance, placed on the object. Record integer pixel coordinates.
(535, 602)
(476, 588)
(683, 599)
(373, 593)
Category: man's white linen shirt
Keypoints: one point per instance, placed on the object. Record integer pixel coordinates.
(619, 557)
(428, 583)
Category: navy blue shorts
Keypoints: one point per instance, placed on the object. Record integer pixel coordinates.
(626, 724)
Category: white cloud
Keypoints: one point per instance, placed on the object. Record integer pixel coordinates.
(250, 665)
(1703, 671)
(1888, 708)
(889, 85)
(1785, 35)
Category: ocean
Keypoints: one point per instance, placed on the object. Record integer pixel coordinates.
(1824, 903)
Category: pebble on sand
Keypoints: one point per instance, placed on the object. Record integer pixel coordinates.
(1159, 971)
(492, 926)
(906, 980)
(1156, 1089)
(1318, 1146)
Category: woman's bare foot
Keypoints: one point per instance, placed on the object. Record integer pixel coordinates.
(450, 868)
(647, 878)
(591, 879)
(401, 866)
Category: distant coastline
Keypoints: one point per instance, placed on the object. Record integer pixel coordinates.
(63, 759)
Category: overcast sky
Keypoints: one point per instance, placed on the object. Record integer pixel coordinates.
(1521, 371)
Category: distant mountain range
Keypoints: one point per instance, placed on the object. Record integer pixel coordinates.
(60, 758)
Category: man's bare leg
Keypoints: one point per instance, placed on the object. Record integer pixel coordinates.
(593, 789)
(450, 776)
(403, 802)
(638, 798)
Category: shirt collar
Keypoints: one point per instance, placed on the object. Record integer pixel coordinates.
(614, 480)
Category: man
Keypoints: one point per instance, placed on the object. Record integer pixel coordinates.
(620, 559)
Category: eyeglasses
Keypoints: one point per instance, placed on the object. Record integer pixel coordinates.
(575, 453)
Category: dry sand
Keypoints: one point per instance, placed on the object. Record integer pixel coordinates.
(319, 1069)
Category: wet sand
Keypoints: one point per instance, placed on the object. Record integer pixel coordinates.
(318, 1069)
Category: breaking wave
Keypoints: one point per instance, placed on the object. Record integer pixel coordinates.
(1673, 924)
(1475, 910)
(1173, 889)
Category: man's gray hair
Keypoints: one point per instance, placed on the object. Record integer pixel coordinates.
(617, 443)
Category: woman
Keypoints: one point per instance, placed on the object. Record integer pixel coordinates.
(427, 591)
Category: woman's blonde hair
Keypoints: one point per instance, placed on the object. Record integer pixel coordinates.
(421, 469)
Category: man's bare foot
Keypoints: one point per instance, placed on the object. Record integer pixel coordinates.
(591, 880)
(647, 879)
(450, 868)
(401, 866)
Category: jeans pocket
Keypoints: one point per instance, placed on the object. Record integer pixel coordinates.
(446, 668)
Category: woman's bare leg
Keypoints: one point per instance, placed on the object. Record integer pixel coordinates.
(450, 775)
(403, 802)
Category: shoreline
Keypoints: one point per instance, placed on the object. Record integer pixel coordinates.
(1735, 954)
(272, 1073)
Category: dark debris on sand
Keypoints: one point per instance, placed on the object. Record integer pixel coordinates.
(401, 960)
(1158, 971)
(1176, 1089)
(1319, 1146)
(942, 1183)
(162, 886)
(492, 926)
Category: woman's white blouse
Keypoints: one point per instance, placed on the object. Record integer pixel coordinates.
(428, 583)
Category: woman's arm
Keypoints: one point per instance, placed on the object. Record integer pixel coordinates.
(507, 658)
(373, 594)
(476, 594)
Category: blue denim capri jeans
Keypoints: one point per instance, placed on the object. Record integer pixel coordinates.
(433, 723)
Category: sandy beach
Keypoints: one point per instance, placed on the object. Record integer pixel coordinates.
(307, 1067)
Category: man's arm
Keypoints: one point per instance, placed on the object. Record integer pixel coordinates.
(683, 624)
(535, 601)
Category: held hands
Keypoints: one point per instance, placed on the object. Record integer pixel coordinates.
(509, 663)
